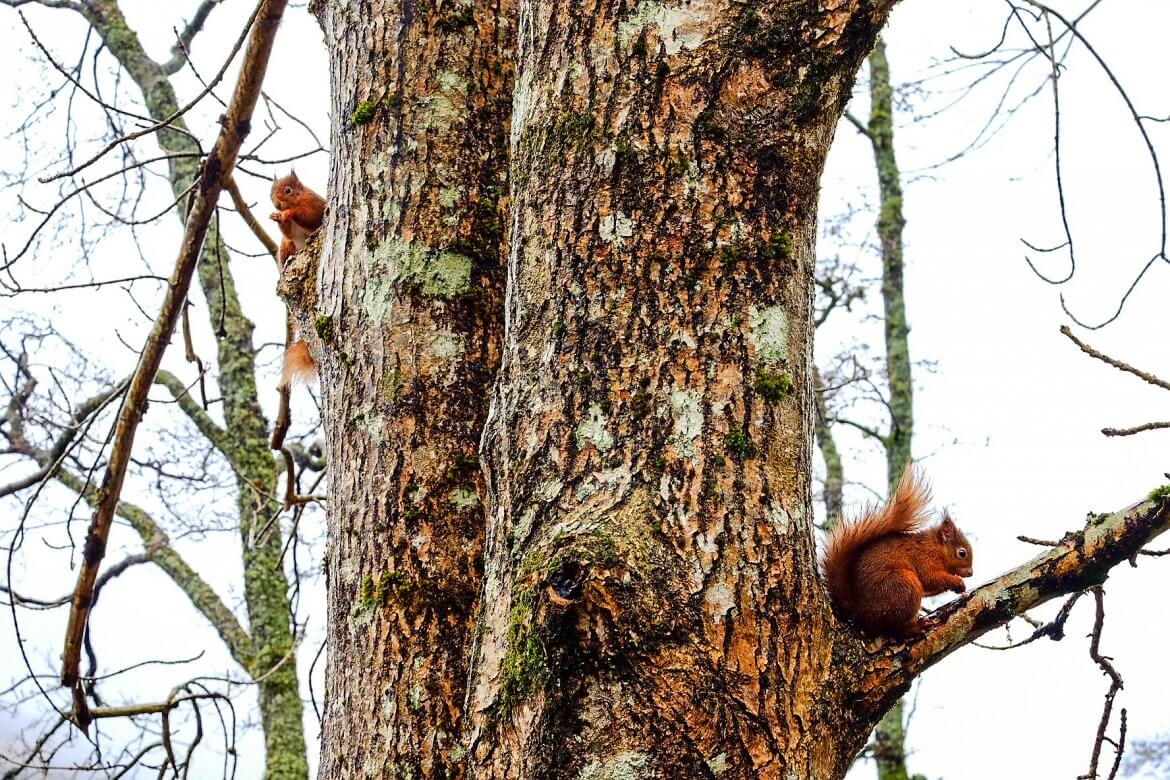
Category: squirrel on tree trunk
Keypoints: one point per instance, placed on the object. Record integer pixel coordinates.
(300, 211)
(879, 567)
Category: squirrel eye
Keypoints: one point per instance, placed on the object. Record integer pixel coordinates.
(962, 552)
(288, 190)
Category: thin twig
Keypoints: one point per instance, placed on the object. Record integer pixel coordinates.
(1118, 364)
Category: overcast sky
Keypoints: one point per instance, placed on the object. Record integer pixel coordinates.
(1008, 412)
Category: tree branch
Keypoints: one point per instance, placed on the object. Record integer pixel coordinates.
(1118, 364)
(201, 419)
(72, 5)
(61, 444)
(857, 123)
(182, 46)
(1080, 561)
(870, 432)
(1150, 426)
(159, 551)
(235, 126)
(250, 219)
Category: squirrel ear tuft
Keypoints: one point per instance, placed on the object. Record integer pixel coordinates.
(946, 529)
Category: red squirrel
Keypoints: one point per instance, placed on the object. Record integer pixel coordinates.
(879, 567)
(300, 211)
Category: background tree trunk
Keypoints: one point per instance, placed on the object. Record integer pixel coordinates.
(890, 735)
(406, 332)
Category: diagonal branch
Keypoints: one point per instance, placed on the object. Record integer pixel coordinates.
(249, 218)
(235, 126)
(158, 550)
(201, 419)
(183, 45)
(1080, 561)
(1118, 364)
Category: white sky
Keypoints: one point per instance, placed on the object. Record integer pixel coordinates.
(1008, 422)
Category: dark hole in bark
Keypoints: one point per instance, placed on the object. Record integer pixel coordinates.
(567, 578)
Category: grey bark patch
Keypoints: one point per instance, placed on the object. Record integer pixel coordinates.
(627, 765)
(593, 431)
(768, 332)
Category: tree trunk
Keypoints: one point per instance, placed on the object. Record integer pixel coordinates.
(650, 602)
(834, 491)
(652, 605)
(890, 736)
(406, 331)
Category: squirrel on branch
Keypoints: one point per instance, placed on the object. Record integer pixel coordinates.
(300, 211)
(878, 568)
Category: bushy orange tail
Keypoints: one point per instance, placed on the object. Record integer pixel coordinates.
(298, 364)
(905, 512)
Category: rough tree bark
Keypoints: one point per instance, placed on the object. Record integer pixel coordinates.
(651, 605)
(406, 326)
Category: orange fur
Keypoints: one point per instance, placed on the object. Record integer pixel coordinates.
(879, 567)
(298, 364)
(300, 211)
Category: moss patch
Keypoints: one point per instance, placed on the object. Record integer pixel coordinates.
(391, 385)
(739, 445)
(779, 247)
(524, 668)
(324, 327)
(773, 385)
(364, 113)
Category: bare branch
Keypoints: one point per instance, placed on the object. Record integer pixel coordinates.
(1118, 364)
(250, 219)
(183, 44)
(159, 551)
(1081, 560)
(168, 121)
(1115, 685)
(1150, 426)
(72, 5)
(53, 456)
(868, 431)
(201, 419)
(235, 126)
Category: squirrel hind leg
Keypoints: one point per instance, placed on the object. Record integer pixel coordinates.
(890, 606)
(298, 364)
